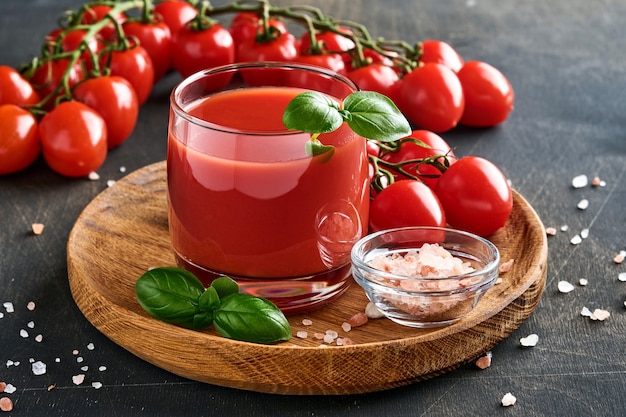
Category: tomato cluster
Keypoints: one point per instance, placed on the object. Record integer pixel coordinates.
(106, 58)
(420, 182)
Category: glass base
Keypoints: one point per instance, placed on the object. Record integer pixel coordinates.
(291, 295)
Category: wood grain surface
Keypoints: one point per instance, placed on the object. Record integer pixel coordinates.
(123, 232)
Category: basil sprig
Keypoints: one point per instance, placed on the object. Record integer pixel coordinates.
(175, 295)
(369, 114)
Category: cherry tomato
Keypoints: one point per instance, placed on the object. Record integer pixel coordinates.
(330, 42)
(283, 48)
(373, 57)
(71, 39)
(375, 77)
(175, 14)
(73, 139)
(442, 53)
(405, 203)
(431, 96)
(475, 195)
(195, 50)
(314, 81)
(95, 13)
(15, 89)
(246, 25)
(115, 100)
(135, 65)
(19, 139)
(411, 150)
(155, 37)
(488, 95)
(333, 62)
(48, 75)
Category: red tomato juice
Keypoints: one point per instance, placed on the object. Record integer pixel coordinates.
(244, 198)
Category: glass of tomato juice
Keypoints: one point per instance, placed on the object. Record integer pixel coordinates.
(246, 200)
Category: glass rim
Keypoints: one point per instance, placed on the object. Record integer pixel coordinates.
(177, 91)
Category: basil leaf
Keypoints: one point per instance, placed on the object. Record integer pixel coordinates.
(202, 320)
(225, 286)
(209, 300)
(312, 112)
(251, 319)
(169, 294)
(375, 116)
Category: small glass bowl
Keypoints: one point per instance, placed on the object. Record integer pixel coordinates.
(434, 301)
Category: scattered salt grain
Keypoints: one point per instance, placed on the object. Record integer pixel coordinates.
(373, 312)
(622, 276)
(110, 183)
(102, 368)
(75, 352)
(584, 233)
(599, 315)
(90, 346)
(529, 341)
(359, 319)
(565, 287)
(79, 359)
(564, 228)
(78, 379)
(576, 240)
(30, 306)
(330, 336)
(122, 169)
(583, 204)
(319, 336)
(508, 400)
(38, 368)
(580, 181)
(10, 389)
(8, 306)
(582, 282)
(93, 176)
(619, 258)
(50, 387)
(1, 315)
(57, 360)
(506, 266)
(3, 385)
(597, 182)
(84, 368)
(346, 327)
(484, 362)
(24, 333)
(585, 312)
(96, 385)
(31, 324)
(302, 334)
(339, 341)
(6, 404)
(38, 338)
(307, 322)
(550, 231)
(37, 228)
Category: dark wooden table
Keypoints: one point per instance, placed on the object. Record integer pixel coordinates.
(567, 64)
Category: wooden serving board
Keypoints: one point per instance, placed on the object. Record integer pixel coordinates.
(123, 232)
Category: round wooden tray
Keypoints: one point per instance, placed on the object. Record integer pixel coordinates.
(123, 232)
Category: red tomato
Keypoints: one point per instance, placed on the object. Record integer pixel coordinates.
(19, 139)
(155, 37)
(442, 53)
(95, 13)
(15, 89)
(47, 77)
(115, 100)
(175, 14)
(246, 25)
(313, 81)
(330, 42)
(71, 39)
(283, 48)
(475, 195)
(411, 150)
(375, 77)
(135, 65)
(196, 50)
(333, 62)
(488, 95)
(73, 139)
(431, 96)
(405, 203)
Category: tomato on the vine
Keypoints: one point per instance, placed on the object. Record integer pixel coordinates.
(330, 42)
(375, 77)
(155, 37)
(15, 89)
(431, 96)
(133, 64)
(95, 13)
(475, 195)
(19, 139)
(409, 150)
(488, 94)
(115, 100)
(175, 14)
(246, 25)
(72, 39)
(282, 48)
(405, 203)
(442, 53)
(47, 77)
(73, 139)
(333, 62)
(197, 49)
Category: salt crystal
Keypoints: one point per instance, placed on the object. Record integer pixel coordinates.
(339, 341)
(307, 322)
(37, 228)
(319, 336)
(38, 368)
(583, 281)
(332, 333)
(110, 183)
(93, 176)
(373, 312)
(38, 338)
(9, 363)
(506, 266)
(580, 181)
(31, 324)
(585, 312)
(576, 240)
(619, 258)
(102, 368)
(84, 368)
(622, 276)
(564, 228)
(600, 315)
(508, 399)
(529, 341)
(583, 204)
(24, 333)
(78, 379)
(57, 360)
(6, 404)
(346, 326)
(302, 334)
(8, 306)
(328, 338)
(595, 181)
(551, 231)
(10, 389)
(75, 352)
(565, 287)
(96, 385)
(122, 169)
(90, 346)
(484, 362)
(1, 315)
(79, 359)
(30, 306)
(584, 233)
